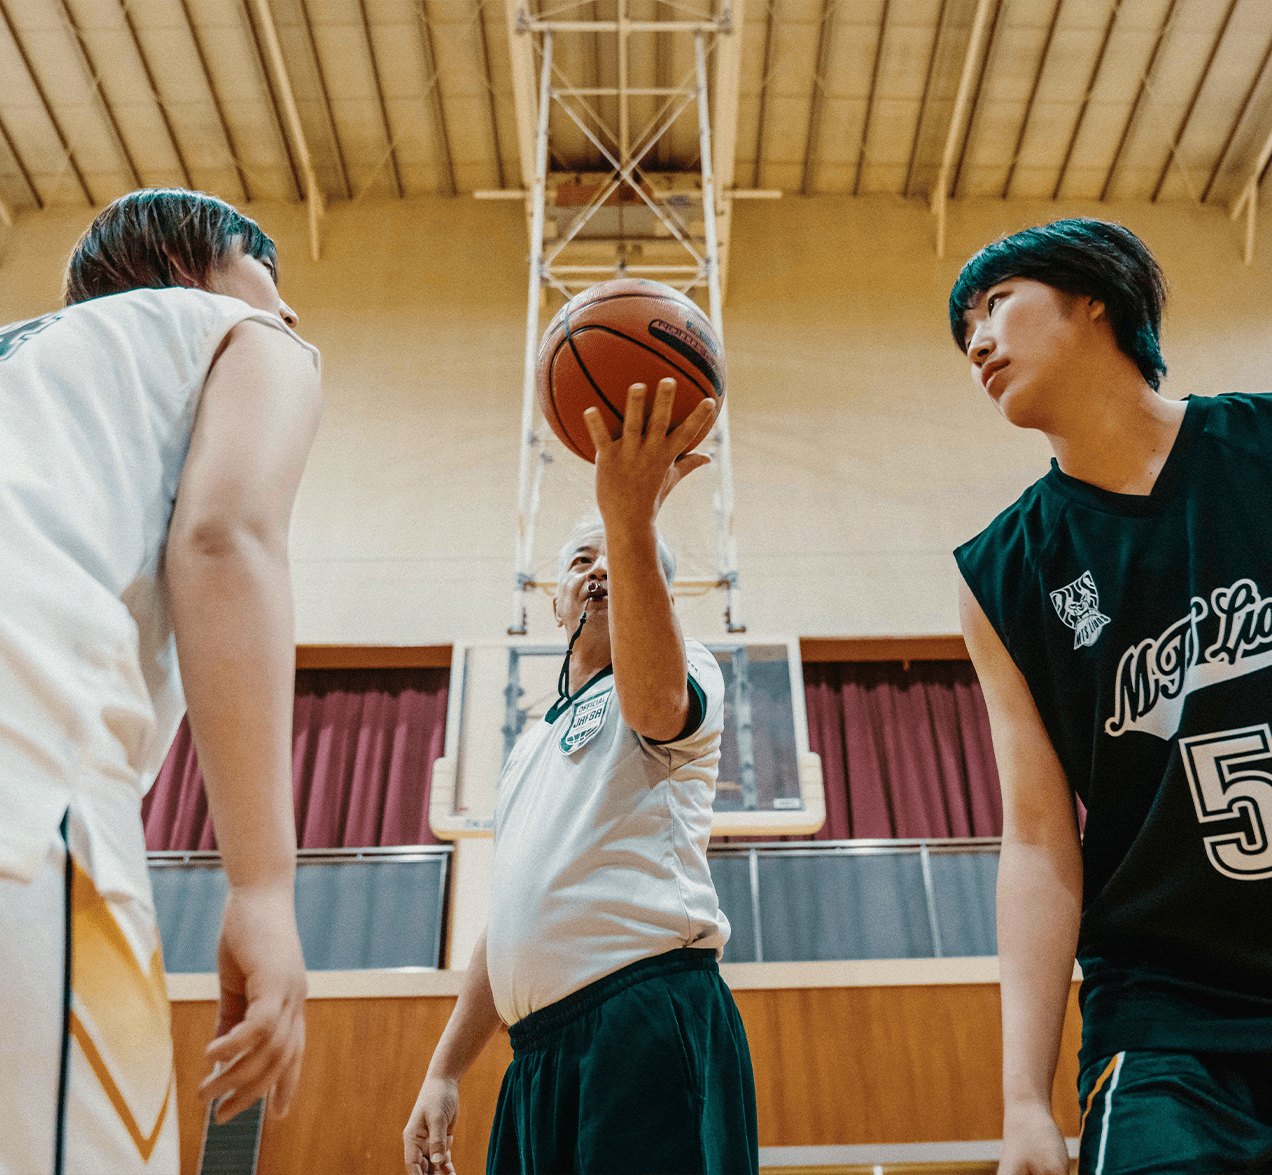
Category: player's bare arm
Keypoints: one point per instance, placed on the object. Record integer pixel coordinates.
(430, 1131)
(634, 475)
(232, 615)
(1039, 901)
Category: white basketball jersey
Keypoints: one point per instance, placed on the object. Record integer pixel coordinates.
(601, 845)
(97, 404)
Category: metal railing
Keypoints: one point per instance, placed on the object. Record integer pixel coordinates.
(764, 883)
(356, 908)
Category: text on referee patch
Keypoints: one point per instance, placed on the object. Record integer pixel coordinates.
(587, 717)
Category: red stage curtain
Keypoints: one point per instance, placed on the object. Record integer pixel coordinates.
(364, 741)
(906, 752)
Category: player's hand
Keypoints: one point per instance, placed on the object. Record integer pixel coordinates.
(430, 1131)
(1032, 1143)
(637, 470)
(260, 1035)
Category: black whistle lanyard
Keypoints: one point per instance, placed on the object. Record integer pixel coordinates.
(563, 678)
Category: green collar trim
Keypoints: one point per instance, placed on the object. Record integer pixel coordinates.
(560, 706)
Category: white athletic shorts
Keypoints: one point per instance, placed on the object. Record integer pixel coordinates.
(115, 1092)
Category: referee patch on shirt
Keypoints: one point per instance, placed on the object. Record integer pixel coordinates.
(586, 719)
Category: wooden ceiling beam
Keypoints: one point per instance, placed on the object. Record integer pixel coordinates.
(488, 78)
(1029, 102)
(12, 148)
(1139, 97)
(313, 195)
(976, 97)
(90, 71)
(770, 20)
(1182, 129)
(67, 152)
(961, 100)
(434, 92)
(271, 99)
(812, 142)
(379, 94)
(1086, 97)
(154, 93)
(311, 45)
(1236, 122)
(923, 102)
(870, 97)
(216, 99)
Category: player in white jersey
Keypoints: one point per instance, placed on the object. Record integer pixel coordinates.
(152, 437)
(604, 932)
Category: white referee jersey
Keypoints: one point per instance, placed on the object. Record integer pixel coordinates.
(601, 846)
(97, 404)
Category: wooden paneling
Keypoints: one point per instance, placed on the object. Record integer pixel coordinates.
(838, 1066)
(883, 648)
(832, 1065)
(373, 656)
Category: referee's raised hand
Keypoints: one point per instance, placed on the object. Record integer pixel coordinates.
(637, 470)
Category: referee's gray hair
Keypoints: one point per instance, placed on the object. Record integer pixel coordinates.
(591, 525)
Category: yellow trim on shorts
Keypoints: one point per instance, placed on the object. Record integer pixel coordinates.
(1108, 1069)
(145, 1145)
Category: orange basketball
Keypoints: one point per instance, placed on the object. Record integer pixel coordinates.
(616, 334)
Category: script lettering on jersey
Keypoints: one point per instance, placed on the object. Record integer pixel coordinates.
(1227, 637)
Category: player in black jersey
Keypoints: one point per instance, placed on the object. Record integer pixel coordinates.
(1120, 619)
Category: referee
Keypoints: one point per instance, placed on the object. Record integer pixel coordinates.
(601, 948)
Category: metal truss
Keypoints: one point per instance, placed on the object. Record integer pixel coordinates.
(624, 221)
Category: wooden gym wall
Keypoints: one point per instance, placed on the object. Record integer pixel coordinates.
(833, 1065)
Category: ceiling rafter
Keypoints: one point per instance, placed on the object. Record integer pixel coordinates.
(271, 99)
(434, 91)
(769, 20)
(488, 78)
(313, 193)
(86, 62)
(1249, 197)
(21, 166)
(941, 193)
(812, 143)
(216, 99)
(976, 97)
(154, 93)
(67, 152)
(1114, 12)
(1236, 122)
(1139, 97)
(307, 31)
(1182, 129)
(1029, 102)
(379, 94)
(870, 97)
(923, 102)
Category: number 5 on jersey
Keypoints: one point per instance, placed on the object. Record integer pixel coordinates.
(1225, 787)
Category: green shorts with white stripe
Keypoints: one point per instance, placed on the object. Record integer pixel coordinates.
(1176, 1113)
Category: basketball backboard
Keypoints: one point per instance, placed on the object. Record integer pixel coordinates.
(769, 782)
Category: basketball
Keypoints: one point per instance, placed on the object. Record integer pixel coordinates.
(618, 333)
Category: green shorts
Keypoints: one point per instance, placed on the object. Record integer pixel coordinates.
(645, 1071)
(1175, 1113)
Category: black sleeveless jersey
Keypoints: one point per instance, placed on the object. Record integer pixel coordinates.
(1143, 627)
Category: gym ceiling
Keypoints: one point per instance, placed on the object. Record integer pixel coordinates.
(1140, 100)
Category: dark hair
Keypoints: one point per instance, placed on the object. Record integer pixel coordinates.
(1089, 258)
(159, 237)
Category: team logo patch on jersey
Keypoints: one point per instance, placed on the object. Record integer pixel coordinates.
(587, 717)
(1078, 605)
(11, 337)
